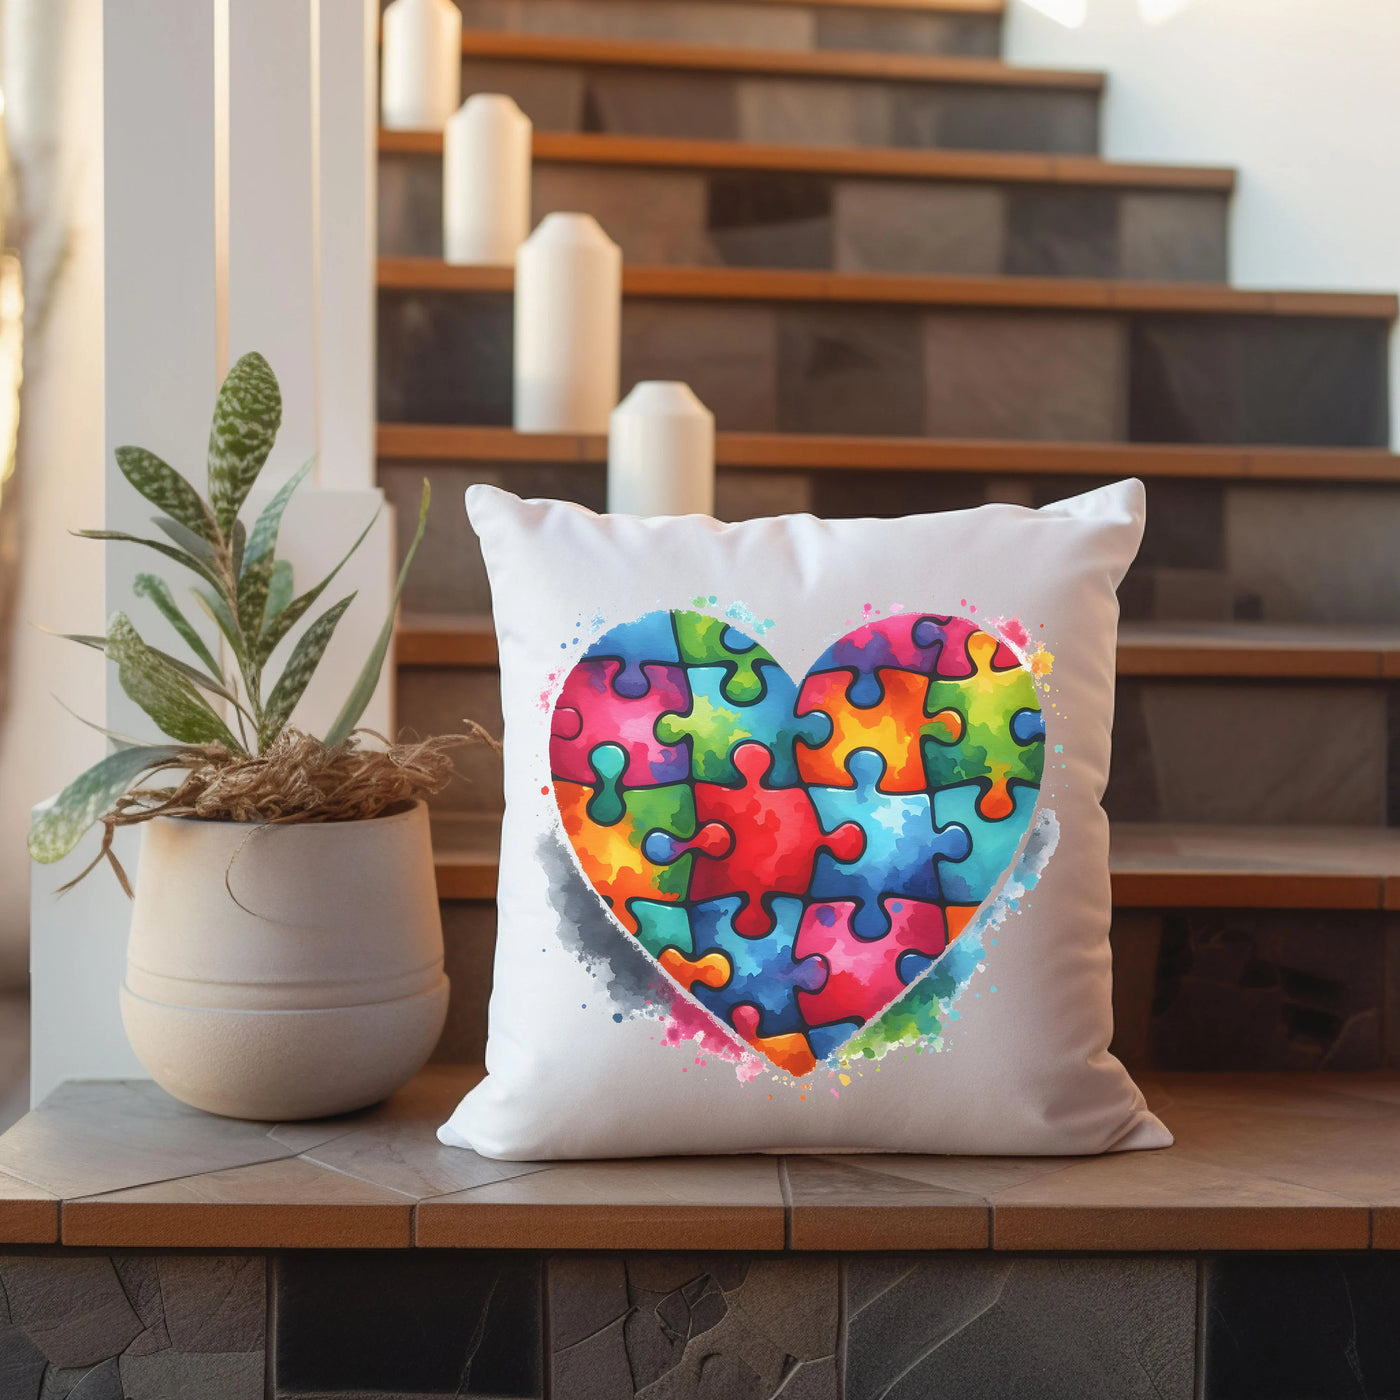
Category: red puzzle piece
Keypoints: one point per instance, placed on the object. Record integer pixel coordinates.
(626, 720)
(776, 840)
(863, 976)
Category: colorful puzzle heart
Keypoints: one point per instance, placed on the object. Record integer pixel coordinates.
(796, 858)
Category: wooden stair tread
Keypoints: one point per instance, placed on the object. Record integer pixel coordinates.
(834, 452)
(1017, 293)
(1154, 866)
(1261, 1162)
(826, 63)
(1241, 650)
(896, 162)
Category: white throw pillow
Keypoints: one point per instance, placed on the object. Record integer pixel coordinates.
(802, 848)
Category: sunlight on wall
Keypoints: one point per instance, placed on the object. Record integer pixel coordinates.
(1073, 13)
(1160, 11)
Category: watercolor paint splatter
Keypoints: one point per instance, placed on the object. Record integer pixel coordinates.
(790, 860)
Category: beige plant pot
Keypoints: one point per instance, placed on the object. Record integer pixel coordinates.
(284, 972)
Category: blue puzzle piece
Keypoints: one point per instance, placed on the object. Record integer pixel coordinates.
(765, 973)
(825, 1040)
(1027, 726)
(969, 879)
(901, 846)
(635, 644)
(716, 725)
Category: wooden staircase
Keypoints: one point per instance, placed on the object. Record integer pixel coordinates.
(902, 278)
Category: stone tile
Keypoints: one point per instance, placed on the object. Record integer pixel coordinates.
(812, 111)
(448, 574)
(656, 216)
(642, 102)
(766, 219)
(445, 357)
(73, 1308)
(654, 1203)
(100, 1382)
(849, 370)
(761, 26)
(726, 352)
(755, 495)
(906, 31)
(176, 1375)
(1312, 555)
(852, 495)
(1233, 753)
(469, 937)
(1078, 1328)
(1276, 379)
(214, 1304)
(907, 226)
(22, 1364)
(408, 1323)
(993, 119)
(1169, 236)
(998, 374)
(668, 1327)
(1296, 1327)
(28, 1214)
(1275, 990)
(410, 205)
(1061, 232)
(1185, 525)
(553, 95)
(437, 700)
(89, 1137)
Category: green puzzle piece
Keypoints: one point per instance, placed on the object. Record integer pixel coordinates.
(703, 642)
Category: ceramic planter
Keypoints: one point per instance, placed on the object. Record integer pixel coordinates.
(285, 972)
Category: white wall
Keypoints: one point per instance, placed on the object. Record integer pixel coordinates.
(56, 130)
(1302, 96)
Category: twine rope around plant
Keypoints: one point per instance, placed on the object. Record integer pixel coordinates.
(297, 780)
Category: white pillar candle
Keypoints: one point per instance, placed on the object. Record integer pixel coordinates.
(661, 452)
(485, 181)
(421, 85)
(568, 327)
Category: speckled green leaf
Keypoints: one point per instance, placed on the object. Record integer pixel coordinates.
(297, 673)
(247, 414)
(149, 586)
(368, 679)
(263, 540)
(158, 687)
(278, 625)
(253, 584)
(60, 826)
(185, 539)
(214, 607)
(164, 487)
(281, 588)
(168, 550)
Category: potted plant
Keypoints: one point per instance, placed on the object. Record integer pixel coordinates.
(286, 956)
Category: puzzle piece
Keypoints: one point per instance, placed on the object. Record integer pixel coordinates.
(901, 845)
(971, 878)
(826, 1040)
(924, 643)
(713, 725)
(765, 974)
(789, 1052)
(894, 728)
(710, 641)
(986, 747)
(608, 762)
(612, 854)
(650, 639)
(663, 927)
(590, 712)
(777, 837)
(863, 977)
(710, 971)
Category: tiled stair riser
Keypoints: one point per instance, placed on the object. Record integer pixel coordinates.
(791, 110)
(942, 372)
(759, 218)
(1214, 551)
(742, 23)
(617, 1326)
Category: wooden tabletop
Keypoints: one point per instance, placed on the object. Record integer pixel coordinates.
(1283, 1162)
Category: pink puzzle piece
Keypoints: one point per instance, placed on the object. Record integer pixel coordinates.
(863, 977)
(590, 712)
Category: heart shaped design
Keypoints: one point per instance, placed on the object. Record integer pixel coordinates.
(795, 858)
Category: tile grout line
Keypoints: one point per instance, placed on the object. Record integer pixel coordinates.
(1198, 1381)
